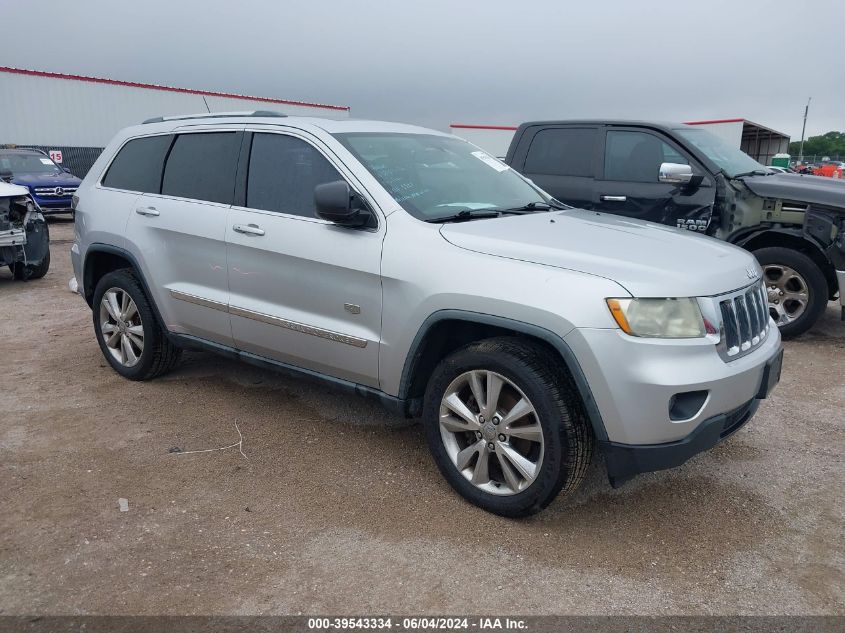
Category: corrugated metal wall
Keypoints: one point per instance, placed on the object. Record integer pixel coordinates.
(68, 113)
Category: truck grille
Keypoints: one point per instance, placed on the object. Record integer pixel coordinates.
(745, 321)
(54, 192)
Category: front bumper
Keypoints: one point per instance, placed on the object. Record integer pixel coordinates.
(626, 460)
(51, 208)
(634, 380)
(637, 381)
(840, 277)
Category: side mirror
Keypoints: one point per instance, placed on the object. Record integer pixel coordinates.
(336, 202)
(675, 173)
(6, 174)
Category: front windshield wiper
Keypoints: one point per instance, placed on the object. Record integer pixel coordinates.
(495, 212)
(531, 207)
(753, 172)
(467, 214)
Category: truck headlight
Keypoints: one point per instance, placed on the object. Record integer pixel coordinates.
(658, 318)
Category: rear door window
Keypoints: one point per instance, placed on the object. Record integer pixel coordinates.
(138, 165)
(202, 166)
(632, 156)
(561, 152)
(283, 172)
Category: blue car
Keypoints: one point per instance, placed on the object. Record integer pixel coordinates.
(51, 185)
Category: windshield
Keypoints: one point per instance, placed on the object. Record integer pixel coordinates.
(437, 176)
(732, 160)
(18, 163)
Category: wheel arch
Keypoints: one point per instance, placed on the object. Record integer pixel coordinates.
(447, 330)
(101, 259)
(794, 239)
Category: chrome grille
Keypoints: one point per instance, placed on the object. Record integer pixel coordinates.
(745, 321)
(54, 192)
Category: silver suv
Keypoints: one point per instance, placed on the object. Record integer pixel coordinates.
(409, 265)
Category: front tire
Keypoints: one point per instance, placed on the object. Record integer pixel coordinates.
(505, 426)
(127, 330)
(796, 288)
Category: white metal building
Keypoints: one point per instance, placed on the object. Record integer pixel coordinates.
(758, 141)
(78, 115)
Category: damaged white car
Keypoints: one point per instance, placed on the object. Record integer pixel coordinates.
(24, 236)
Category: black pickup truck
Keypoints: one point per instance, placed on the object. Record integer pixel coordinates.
(684, 176)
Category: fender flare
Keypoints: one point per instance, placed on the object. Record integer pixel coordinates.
(567, 356)
(98, 247)
(742, 238)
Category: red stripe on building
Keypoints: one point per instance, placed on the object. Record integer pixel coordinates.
(483, 127)
(133, 84)
(714, 121)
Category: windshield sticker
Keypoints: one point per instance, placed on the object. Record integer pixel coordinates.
(489, 160)
(46, 161)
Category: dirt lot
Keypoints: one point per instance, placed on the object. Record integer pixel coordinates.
(338, 508)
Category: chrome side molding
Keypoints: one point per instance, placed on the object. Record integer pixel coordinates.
(330, 335)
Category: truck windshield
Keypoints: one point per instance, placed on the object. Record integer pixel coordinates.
(438, 176)
(18, 163)
(732, 160)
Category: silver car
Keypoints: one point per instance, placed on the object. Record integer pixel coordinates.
(409, 265)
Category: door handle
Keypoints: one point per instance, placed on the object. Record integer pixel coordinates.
(248, 229)
(148, 211)
(614, 198)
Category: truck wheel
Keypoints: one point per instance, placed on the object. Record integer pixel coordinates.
(796, 288)
(129, 335)
(505, 426)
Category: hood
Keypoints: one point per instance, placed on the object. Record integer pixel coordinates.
(799, 188)
(8, 191)
(46, 180)
(648, 260)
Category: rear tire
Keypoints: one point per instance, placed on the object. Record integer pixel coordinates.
(130, 337)
(797, 284)
(555, 456)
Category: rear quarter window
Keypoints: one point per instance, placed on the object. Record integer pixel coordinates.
(138, 165)
(561, 152)
(202, 166)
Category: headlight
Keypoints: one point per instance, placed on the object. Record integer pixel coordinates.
(658, 318)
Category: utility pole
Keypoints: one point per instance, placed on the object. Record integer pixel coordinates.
(803, 129)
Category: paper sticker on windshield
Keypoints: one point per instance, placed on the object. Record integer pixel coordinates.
(489, 160)
(46, 161)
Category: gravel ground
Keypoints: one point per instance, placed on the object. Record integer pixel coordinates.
(337, 507)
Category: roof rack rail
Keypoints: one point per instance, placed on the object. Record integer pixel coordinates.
(216, 115)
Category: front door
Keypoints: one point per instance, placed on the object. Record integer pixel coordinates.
(628, 184)
(303, 291)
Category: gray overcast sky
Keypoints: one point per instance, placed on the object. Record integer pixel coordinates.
(439, 62)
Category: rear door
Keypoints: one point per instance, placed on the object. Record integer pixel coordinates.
(178, 234)
(561, 160)
(304, 291)
(628, 181)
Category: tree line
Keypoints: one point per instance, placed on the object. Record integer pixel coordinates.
(830, 144)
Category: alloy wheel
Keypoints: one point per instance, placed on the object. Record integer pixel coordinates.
(120, 324)
(491, 432)
(787, 293)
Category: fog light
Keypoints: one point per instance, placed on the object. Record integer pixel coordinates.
(683, 406)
